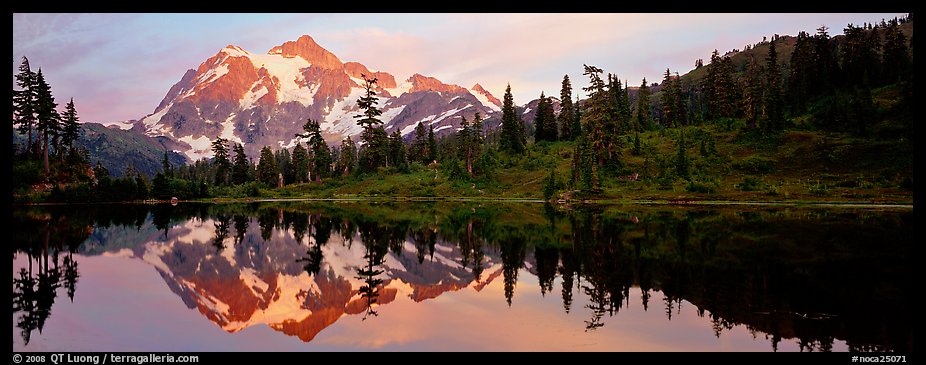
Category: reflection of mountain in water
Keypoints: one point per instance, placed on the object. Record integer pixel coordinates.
(813, 276)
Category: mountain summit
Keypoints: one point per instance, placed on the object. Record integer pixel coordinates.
(264, 99)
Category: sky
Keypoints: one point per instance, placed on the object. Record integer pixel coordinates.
(119, 66)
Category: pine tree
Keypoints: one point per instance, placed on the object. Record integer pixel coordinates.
(397, 151)
(895, 62)
(375, 140)
(825, 61)
(668, 101)
(803, 66)
(644, 115)
(538, 119)
(772, 99)
(47, 116)
(320, 154)
(241, 170)
(300, 163)
(512, 138)
(432, 146)
(24, 102)
(267, 170)
(545, 120)
(576, 129)
(70, 125)
(464, 144)
(166, 168)
(419, 150)
(348, 157)
(596, 124)
(752, 96)
(566, 113)
(284, 165)
(222, 164)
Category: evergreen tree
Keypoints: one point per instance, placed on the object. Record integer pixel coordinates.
(644, 115)
(859, 57)
(300, 163)
(319, 153)
(512, 138)
(752, 95)
(772, 100)
(803, 67)
(544, 120)
(348, 157)
(464, 144)
(222, 164)
(375, 140)
(24, 102)
(241, 170)
(566, 113)
(141, 186)
(576, 129)
(825, 61)
(895, 62)
(397, 151)
(46, 115)
(432, 145)
(70, 126)
(719, 87)
(166, 168)
(637, 149)
(321, 159)
(419, 150)
(285, 165)
(267, 170)
(596, 121)
(673, 110)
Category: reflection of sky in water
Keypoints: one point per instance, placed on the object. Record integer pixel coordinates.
(123, 304)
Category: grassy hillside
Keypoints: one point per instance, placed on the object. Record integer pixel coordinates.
(798, 165)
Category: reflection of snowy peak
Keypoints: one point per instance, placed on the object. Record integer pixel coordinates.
(264, 99)
(261, 282)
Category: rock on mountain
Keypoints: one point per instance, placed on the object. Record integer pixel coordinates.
(264, 99)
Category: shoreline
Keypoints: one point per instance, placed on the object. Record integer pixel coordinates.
(605, 201)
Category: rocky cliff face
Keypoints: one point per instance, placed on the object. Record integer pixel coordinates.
(264, 99)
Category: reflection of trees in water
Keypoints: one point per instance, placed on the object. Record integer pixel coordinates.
(376, 242)
(766, 271)
(44, 239)
(222, 223)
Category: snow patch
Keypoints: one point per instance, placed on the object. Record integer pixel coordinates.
(122, 124)
(340, 118)
(289, 73)
(485, 100)
(121, 253)
(250, 279)
(286, 308)
(252, 96)
(389, 114)
(200, 147)
(400, 89)
(152, 121)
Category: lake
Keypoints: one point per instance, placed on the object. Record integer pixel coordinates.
(471, 276)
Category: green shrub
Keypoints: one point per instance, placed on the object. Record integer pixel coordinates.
(749, 183)
(755, 165)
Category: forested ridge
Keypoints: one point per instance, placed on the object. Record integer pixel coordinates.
(806, 117)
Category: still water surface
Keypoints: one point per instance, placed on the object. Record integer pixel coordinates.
(296, 276)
